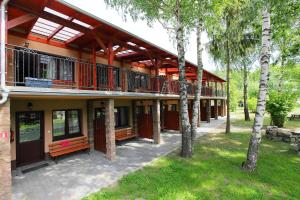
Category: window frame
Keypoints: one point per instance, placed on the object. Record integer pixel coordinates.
(126, 108)
(67, 134)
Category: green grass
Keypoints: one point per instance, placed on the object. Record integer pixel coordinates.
(214, 173)
(294, 124)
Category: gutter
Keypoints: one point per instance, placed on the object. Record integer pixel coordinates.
(5, 91)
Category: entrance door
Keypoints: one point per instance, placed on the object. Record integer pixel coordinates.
(99, 130)
(30, 137)
(145, 122)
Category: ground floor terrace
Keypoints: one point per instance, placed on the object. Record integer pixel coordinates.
(47, 129)
(80, 174)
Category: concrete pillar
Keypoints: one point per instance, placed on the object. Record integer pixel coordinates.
(110, 129)
(90, 118)
(208, 110)
(5, 158)
(216, 108)
(134, 118)
(156, 121)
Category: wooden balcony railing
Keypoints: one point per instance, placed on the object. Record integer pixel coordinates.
(26, 67)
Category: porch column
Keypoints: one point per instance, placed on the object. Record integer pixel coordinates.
(216, 108)
(5, 158)
(162, 116)
(208, 110)
(156, 121)
(134, 118)
(110, 129)
(90, 118)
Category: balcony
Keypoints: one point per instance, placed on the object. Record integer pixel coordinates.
(30, 68)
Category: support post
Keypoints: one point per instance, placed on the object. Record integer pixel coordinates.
(110, 130)
(222, 108)
(94, 69)
(208, 110)
(134, 117)
(156, 121)
(216, 109)
(5, 157)
(162, 116)
(90, 118)
(110, 60)
(158, 64)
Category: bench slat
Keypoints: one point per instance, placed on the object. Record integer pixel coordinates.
(63, 147)
(66, 143)
(67, 151)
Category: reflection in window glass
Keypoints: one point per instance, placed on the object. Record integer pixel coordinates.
(59, 123)
(29, 127)
(73, 121)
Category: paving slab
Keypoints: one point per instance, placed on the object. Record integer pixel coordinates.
(78, 175)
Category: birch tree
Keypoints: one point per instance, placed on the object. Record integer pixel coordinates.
(255, 139)
(174, 15)
(196, 104)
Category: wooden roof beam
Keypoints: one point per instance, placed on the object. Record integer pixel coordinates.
(20, 20)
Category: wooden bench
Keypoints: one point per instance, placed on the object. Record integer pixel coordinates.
(64, 147)
(124, 134)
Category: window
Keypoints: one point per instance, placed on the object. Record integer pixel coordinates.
(66, 124)
(121, 117)
(173, 107)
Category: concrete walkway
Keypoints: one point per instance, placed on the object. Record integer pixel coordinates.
(78, 175)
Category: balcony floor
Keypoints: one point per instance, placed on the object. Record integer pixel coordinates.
(20, 91)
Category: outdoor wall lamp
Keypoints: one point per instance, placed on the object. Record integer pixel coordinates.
(26, 44)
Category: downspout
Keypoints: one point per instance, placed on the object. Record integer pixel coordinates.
(4, 89)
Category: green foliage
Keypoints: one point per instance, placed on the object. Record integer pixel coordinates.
(252, 104)
(279, 105)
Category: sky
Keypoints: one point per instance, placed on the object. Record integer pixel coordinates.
(155, 34)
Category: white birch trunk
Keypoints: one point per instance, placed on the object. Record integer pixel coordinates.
(199, 82)
(186, 150)
(255, 139)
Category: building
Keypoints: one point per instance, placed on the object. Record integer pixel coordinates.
(72, 75)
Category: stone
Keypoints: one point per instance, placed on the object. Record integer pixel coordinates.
(284, 132)
(271, 130)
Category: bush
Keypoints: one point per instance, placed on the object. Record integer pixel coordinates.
(279, 105)
(252, 104)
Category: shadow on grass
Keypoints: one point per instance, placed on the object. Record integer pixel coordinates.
(214, 173)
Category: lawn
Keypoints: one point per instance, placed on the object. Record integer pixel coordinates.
(214, 173)
(239, 121)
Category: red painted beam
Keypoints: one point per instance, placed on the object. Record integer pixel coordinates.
(20, 20)
(74, 38)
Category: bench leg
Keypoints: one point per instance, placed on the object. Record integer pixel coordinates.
(55, 160)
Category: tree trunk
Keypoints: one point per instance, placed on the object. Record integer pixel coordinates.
(186, 150)
(246, 110)
(228, 77)
(199, 82)
(255, 139)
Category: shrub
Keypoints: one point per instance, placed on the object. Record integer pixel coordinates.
(252, 104)
(279, 105)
